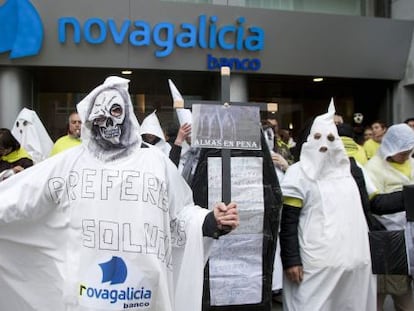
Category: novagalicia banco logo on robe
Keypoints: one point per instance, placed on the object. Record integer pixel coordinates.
(114, 273)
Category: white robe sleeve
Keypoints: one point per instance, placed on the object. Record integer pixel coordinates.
(33, 231)
(190, 249)
(292, 184)
(25, 196)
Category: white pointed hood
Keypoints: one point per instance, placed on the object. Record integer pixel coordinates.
(130, 136)
(184, 115)
(30, 132)
(152, 125)
(333, 162)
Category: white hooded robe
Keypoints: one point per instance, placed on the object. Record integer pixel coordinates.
(28, 129)
(332, 230)
(78, 232)
(151, 125)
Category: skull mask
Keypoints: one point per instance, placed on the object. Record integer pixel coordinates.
(108, 115)
(358, 117)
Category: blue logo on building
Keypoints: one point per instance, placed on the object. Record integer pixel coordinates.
(204, 34)
(114, 271)
(21, 29)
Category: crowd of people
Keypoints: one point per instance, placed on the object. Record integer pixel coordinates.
(338, 182)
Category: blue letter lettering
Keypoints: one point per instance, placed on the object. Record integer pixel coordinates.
(222, 35)
(255, 64)
(202, 31)
(87, 29)
(62, 27)
(255, 43)
(240, 34)
(212, 62)
(212, 28)
(145, 33)
(187, 39)
(167, 44)
(118, 36)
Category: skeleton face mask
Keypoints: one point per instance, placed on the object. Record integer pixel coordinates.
(108, 114)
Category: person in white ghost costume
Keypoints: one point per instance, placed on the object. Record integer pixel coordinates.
(107, 225)
(32, 135)
(324, 235)
(152, 133)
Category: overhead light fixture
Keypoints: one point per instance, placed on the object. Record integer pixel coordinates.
(317, 79)
(126, 72)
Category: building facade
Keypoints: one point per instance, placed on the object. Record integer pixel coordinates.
(53, 52)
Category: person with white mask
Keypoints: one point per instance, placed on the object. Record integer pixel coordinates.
(107, 225)
(324, 235)
(29, 130)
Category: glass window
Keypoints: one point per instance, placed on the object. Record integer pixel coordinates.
(347, 7)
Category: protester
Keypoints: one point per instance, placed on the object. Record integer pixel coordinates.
(13, 157)
(358, 127)
(324, 235)
(171, 131)
(286, 137)
(338, 118)
(279, 162)
(28, 129)
(410, 122)
(279, 146)
(371, 145)
(390, 169)
(367, 134)
(107, 225)
(73, 136)
(352, 148)
(152, 133)
(182, 136)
